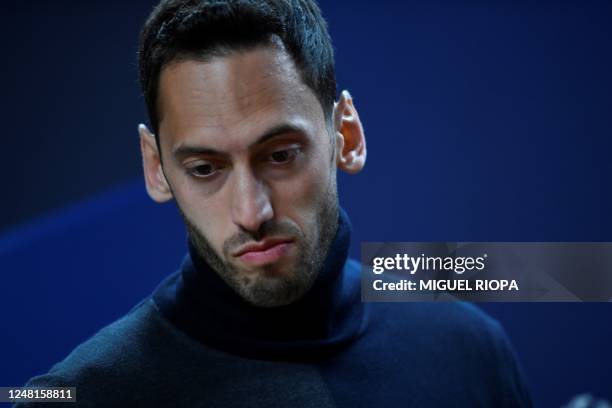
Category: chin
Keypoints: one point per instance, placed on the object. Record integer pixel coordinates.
(275, 287)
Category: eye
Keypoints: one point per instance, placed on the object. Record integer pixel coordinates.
(283, 156)
(202, 170)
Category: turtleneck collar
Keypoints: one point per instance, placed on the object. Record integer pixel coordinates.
(198, 302)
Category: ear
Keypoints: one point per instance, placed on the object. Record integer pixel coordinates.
(350, 140)
(156, 183)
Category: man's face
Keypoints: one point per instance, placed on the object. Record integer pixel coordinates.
(249, 157)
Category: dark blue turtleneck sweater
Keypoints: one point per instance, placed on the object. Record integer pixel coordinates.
(195, 343)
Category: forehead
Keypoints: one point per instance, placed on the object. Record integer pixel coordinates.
(230, 100)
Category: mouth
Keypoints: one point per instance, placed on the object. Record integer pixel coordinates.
(265, 252)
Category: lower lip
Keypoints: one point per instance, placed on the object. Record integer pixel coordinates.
(270, 255)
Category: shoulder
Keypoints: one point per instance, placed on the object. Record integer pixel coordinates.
(465, 344)
(455, 341)
(446, 322)
(448, 319)
(103, 367)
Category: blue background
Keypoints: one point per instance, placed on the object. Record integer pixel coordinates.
(485, 121)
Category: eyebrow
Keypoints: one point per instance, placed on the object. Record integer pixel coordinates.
(278, 130)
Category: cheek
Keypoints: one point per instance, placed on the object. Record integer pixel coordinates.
(204, 212)
(301, 197)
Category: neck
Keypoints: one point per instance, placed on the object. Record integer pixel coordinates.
(327, 316)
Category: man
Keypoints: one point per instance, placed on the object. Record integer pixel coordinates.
(265, 311)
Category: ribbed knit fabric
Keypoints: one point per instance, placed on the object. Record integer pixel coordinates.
(195, 343)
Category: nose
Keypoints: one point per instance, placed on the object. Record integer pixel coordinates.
(251, 206)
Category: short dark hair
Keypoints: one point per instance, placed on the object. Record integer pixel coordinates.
(199, 29)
